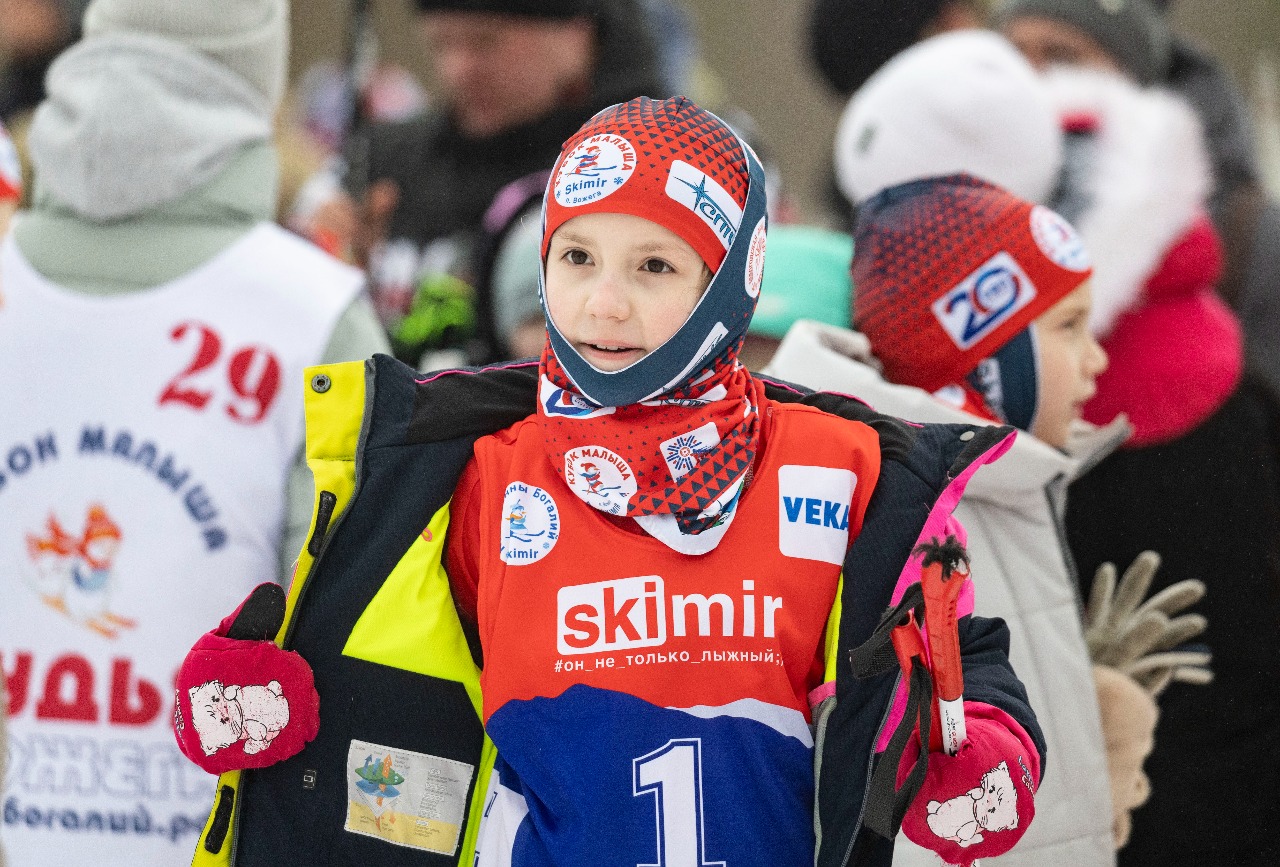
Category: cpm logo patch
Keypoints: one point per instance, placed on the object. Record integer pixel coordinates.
(611, 615)
(985, 300)
(698, 192)
(813, 512)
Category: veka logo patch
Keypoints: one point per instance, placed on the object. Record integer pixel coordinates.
(698, 192)
(596, 167)
(985, 300)
(813, 512)
(530, 524)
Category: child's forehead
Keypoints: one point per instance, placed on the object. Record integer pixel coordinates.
(619, 229)
(1078, 299)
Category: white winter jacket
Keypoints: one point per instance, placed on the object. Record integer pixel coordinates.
(1013, 511)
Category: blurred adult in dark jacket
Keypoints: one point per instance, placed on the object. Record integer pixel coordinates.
(517, 78)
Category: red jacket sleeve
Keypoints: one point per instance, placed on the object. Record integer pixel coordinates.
(461, 559)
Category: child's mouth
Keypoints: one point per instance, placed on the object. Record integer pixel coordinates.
(604, 350)
(609, 356)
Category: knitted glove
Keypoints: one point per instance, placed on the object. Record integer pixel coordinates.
(242, 702)
(1137, 638)
(1129, 717)
(979, 802)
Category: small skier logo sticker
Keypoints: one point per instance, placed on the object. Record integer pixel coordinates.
(600, 477)
(530, 524)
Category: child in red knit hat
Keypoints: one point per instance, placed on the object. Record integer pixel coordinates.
(675, 574)
(980, 297)
(974, 302)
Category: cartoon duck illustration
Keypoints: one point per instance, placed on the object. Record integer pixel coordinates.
(378, 782)
(74, 576)
(591, 474)
(516, 517)
(517, 529)
(51, 555)
(89, 593)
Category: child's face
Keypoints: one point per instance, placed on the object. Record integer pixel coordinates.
(1070, 362)
(619, 286)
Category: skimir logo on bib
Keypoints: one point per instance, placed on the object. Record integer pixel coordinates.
(627, 613)
(530, 524)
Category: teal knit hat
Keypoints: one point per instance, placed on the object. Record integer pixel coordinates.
(806, 276)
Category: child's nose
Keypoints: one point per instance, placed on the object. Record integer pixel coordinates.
(608, 298)
(1097, 357)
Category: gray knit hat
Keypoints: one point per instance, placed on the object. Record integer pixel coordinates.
(250, 37)
(1134, 32)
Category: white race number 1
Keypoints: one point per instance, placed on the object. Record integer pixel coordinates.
(673, 773)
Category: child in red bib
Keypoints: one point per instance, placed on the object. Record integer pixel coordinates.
(655, 564)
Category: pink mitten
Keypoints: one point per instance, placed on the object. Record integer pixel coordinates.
(979, 802)
(242, 702)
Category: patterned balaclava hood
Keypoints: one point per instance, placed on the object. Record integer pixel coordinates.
(669, 439)
(950, 272)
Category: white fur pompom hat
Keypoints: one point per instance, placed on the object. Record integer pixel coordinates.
(962, 102)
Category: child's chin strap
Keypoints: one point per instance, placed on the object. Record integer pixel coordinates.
(896, 644)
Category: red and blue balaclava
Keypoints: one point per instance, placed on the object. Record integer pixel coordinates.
(674, 434)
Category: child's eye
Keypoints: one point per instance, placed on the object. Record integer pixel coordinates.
(657, 266)
(577, 257)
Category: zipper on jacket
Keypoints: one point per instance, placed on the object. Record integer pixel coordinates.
(871, 760)
(320, 540)
(324, 512)
(323, 534)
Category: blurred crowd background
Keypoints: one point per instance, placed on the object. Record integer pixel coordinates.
(754, 53)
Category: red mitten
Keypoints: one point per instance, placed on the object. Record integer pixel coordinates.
(242, 702)
(979, 802)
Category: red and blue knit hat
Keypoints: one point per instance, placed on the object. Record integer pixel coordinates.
(683, 168)
(950, 270)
